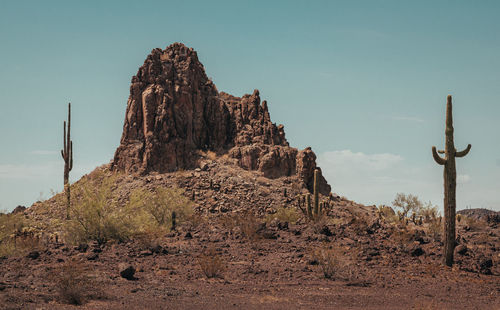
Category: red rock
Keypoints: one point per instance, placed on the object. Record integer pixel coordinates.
(174, 110)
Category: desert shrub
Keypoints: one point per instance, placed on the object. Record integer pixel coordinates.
(428, 212)
(402, 237)
(95, 215)
(17, 237)
(408, 204)
(334, 262)
(290, 215)
(359, 222)
(249, 226)
(411, 206)
(246, 223)
(73, 282)
(211, 263)
(160, 203)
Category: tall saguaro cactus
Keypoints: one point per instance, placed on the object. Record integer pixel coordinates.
(450, 183)
(67, 155)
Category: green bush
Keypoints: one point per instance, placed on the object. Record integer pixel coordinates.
(408, 204)
(411, 206)
(290, 215)
(95, 215)
(158, 206)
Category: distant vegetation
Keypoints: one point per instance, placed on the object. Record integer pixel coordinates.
(96, 214)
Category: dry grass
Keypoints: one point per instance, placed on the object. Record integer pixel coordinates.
(334, 263)
(403, 237)
(246, 223)
(211, 263)
(74, 283)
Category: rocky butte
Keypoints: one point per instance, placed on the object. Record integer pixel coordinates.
(174, 110)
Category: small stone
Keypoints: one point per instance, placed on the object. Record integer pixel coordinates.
(486, 263)
(33, 254)
(461, 249)
(82, 247)
(417, 251)
(145, 253)
(127, 271)
(92, 256)
(326, 231)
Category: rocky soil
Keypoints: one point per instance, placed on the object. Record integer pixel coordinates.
(380, 265)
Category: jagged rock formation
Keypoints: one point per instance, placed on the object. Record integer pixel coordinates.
(174, 110)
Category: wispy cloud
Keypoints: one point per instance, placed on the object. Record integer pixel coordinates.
(13, 171)
(43, 152)
(408, 119)
(376, 178)
(463, 178)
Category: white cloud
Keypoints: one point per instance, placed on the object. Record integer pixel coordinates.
(359, 160)
(376, 178)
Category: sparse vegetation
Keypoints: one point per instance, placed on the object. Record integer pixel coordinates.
(334, 263)
(473, 224)
(246, 223)
(16, 236)
(161, 203)
(211, 263)
(284, 214)
(407, 204)
(73, 282)
(96, 215)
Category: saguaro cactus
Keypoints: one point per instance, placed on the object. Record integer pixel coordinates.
(67, 155)
(316, 192)
(450, 183)
(312, 207)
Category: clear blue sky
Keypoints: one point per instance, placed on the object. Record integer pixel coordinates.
(362, 82)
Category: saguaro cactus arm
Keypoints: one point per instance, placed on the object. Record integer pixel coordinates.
(438, 158)
(464, 152)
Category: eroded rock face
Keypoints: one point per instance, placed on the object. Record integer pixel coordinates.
(174, 110)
